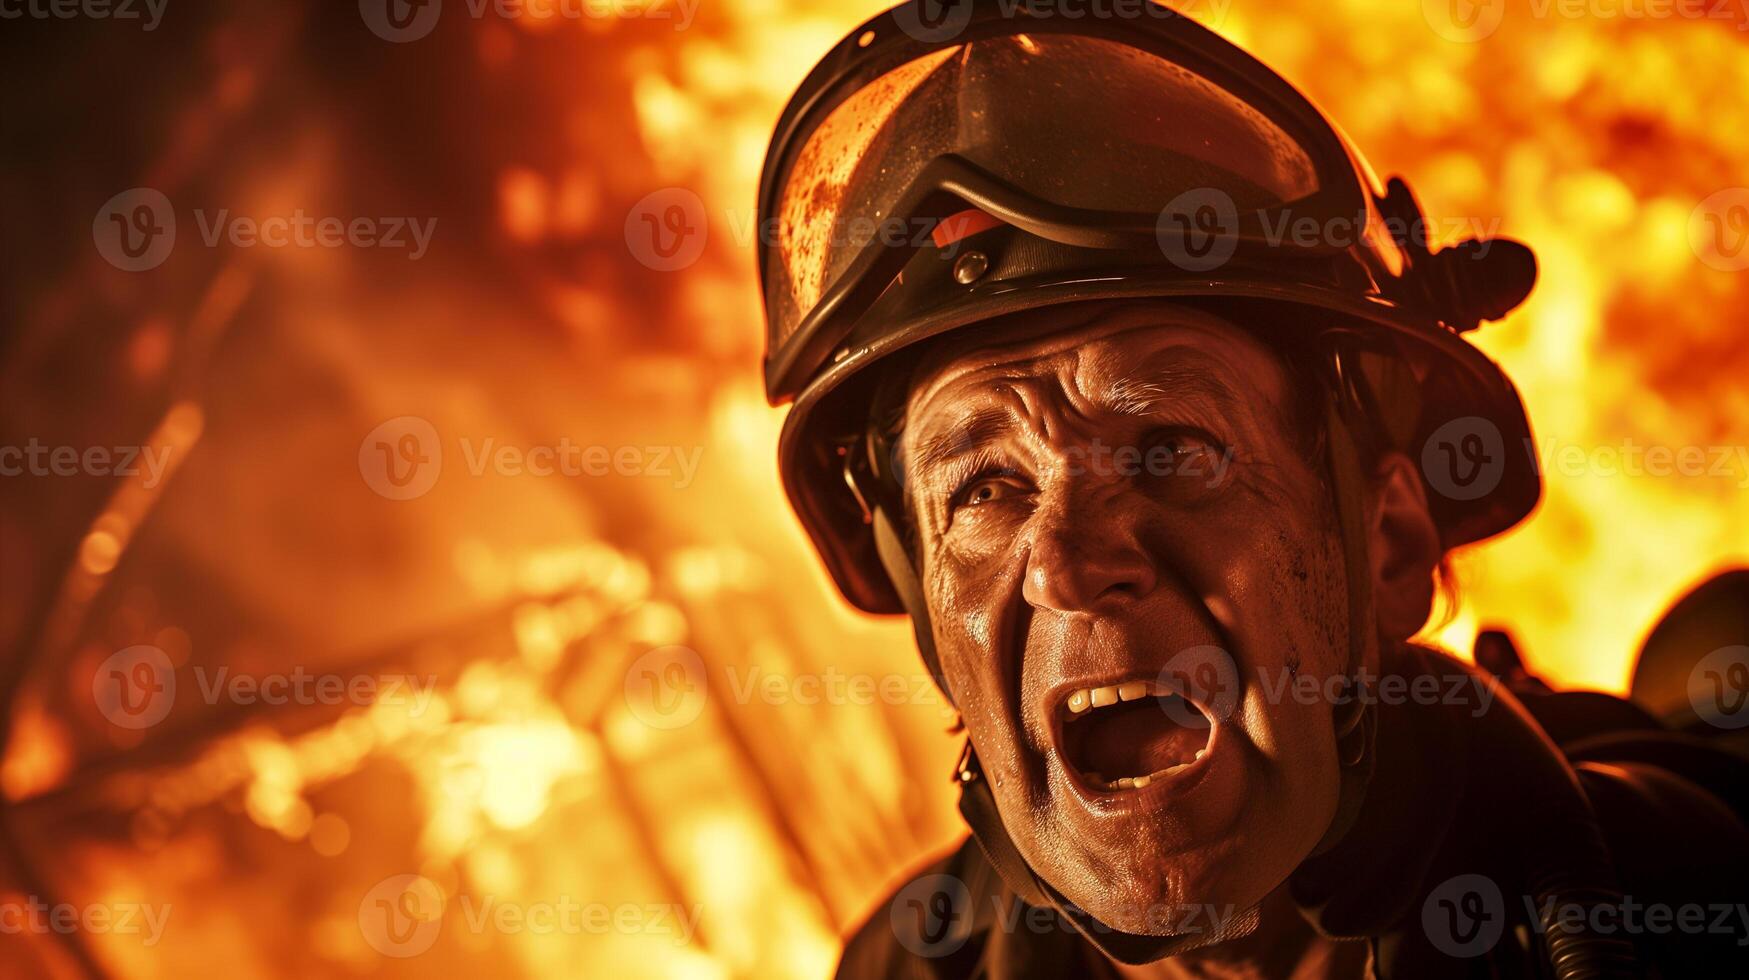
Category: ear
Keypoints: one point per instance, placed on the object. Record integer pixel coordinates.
(1404, 547)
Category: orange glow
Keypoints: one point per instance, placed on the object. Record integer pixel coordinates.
(528, 737)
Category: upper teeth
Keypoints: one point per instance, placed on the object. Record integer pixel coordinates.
(1098, 697)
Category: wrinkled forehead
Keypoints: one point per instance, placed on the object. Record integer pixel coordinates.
(1114, 355)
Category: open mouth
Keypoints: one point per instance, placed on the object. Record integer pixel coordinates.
(1132, 734)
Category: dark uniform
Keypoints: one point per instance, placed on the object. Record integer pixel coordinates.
(1445, 804)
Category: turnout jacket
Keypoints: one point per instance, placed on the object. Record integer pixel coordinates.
(1447, 813)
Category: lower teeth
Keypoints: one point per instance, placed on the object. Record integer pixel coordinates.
(1139, 782)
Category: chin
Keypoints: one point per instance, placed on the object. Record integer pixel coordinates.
(1165, 895)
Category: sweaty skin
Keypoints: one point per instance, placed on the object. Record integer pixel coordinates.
(1047, 571)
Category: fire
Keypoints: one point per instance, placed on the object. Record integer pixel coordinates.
(522, 763)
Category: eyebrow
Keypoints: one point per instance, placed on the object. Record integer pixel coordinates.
(965, 436)
(1171, 374)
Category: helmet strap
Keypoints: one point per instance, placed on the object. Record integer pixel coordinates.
(1353, 719)
(896, 559)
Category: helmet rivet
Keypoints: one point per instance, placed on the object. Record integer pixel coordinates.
(969, 267)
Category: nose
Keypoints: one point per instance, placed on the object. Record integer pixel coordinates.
(1087, 559)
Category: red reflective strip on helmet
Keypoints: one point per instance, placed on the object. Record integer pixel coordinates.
(962, 225)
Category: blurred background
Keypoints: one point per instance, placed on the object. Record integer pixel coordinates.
(448, 619)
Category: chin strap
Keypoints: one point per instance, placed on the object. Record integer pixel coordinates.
(1355, 722)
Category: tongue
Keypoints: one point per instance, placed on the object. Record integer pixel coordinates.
(1134, 738)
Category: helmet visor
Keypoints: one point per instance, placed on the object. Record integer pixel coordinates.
(1100, 129)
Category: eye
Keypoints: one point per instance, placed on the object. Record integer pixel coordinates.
(1183, 442)
(989, 487)
(1186, 457)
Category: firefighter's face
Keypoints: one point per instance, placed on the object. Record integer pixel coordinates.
(1127, 554)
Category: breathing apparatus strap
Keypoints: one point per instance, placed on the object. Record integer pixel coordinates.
(1354, 721)
(897, 559)
(977, 803)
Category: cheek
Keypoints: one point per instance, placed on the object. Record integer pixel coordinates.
(967, 571)
(1277, 570)
(1288, 589)
(964, 600)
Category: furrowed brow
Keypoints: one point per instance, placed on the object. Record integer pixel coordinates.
(1161, 381)
(944, 444)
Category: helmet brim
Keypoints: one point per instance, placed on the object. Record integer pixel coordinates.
(1460, 386)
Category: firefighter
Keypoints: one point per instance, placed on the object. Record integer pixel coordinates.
(1115, 368)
